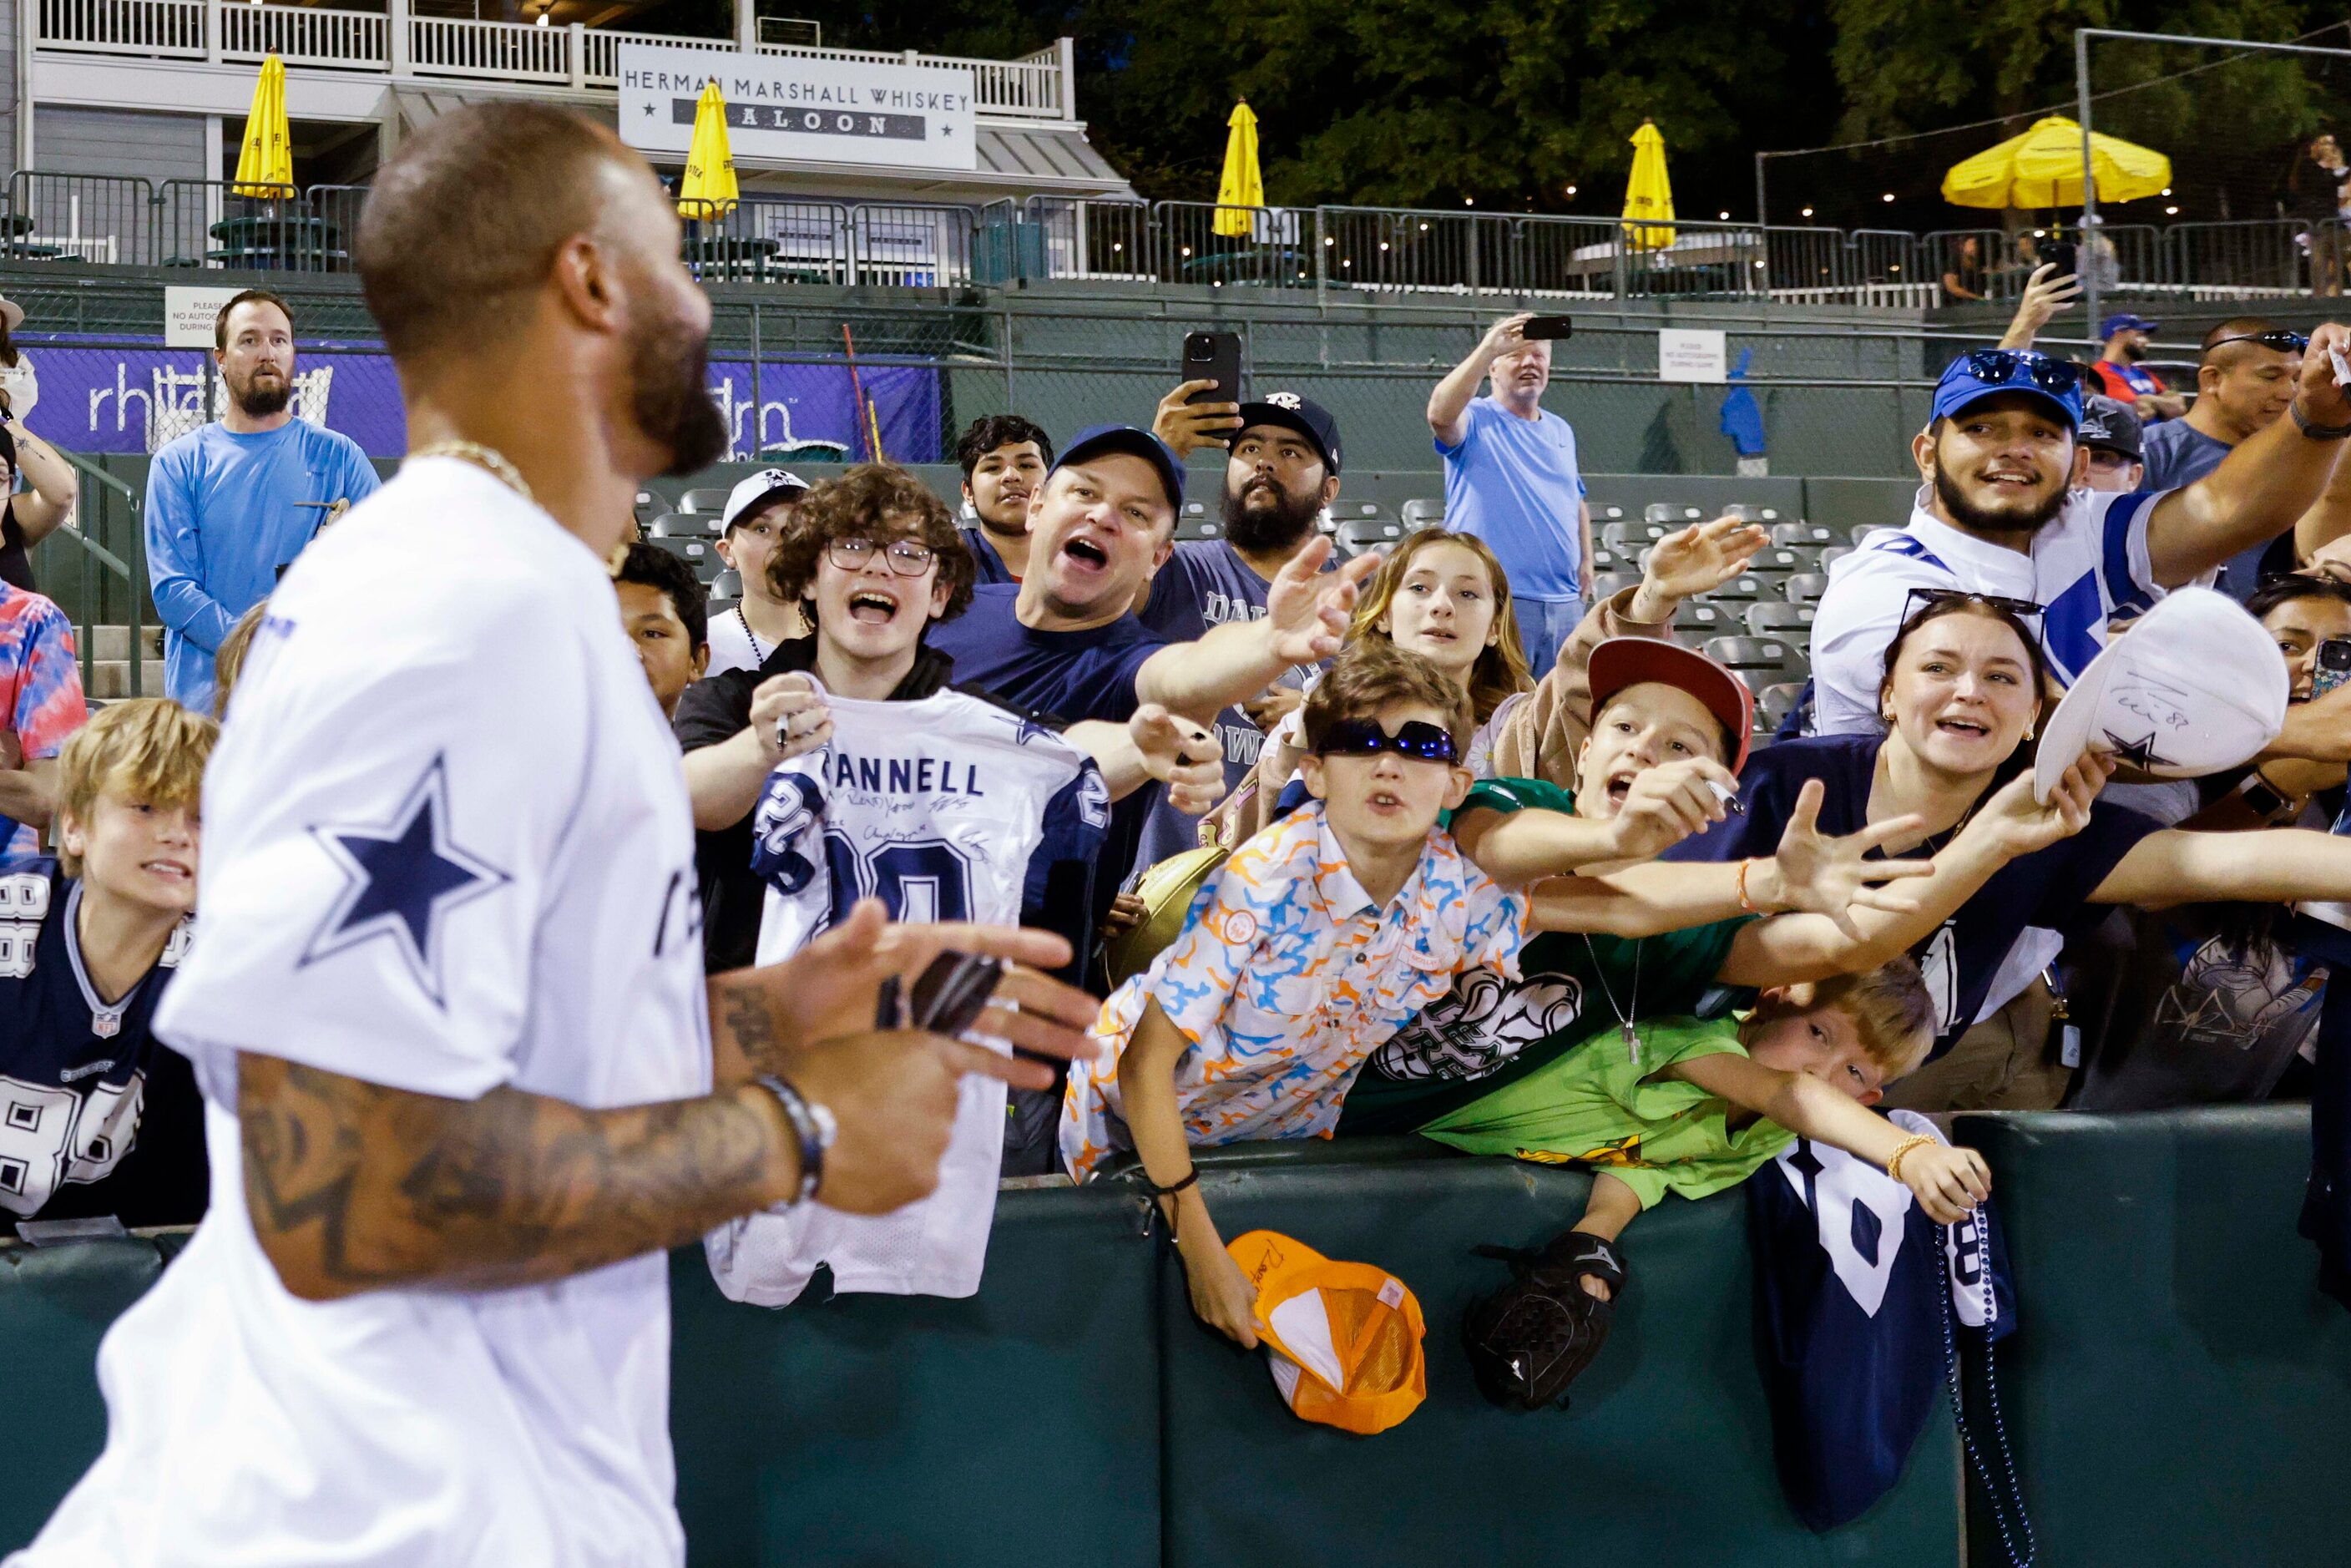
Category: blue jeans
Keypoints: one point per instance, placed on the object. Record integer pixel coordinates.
(1543, 625)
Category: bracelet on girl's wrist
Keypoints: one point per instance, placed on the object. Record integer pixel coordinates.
(1745, 902)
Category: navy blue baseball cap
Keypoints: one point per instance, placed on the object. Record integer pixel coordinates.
(2124, 321)
(1096, 439)
(1995, 373)
(1288, 410)
(2113, 424)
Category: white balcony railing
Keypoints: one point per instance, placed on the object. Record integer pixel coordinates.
(1035, 87)
(301, 36)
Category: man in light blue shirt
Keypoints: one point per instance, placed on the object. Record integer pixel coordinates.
(229, 506)
(1511, 478)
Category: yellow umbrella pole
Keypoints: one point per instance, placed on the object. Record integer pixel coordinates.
(1241, 183)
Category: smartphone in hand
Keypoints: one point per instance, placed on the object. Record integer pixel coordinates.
(1213, 357)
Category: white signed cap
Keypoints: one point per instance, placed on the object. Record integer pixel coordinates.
(2195, 686)
(768, 485)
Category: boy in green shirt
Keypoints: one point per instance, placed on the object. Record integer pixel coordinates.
(1694, 1106)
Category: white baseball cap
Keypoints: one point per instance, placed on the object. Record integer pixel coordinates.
(761, 488)
(2194, 687)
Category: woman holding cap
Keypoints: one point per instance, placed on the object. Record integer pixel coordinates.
(1963, 694)
(31, 516)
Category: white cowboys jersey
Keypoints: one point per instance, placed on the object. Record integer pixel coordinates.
(447, 850)
(950, 807)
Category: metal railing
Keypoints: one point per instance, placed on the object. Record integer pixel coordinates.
(1033, 87)
(109, 508)
(106, 219)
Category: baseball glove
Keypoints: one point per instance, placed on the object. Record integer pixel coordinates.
(1530, 1339)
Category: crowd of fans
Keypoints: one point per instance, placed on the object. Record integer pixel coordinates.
(1427, 840)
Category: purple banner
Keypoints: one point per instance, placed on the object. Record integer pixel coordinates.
(117, 399)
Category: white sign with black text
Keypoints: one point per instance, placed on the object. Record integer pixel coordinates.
(796, 110)
(189, 314)
(1685, 354)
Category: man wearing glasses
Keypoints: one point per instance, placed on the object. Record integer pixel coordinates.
(2243, 383)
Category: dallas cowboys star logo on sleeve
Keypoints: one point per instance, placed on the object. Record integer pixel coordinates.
(403, 876)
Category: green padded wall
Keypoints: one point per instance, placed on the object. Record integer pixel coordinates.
(55, 1304)
(1019, 1426)
(2178, 1390)
(1666, 1456)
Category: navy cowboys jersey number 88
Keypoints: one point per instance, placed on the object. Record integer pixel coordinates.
(80, 1081)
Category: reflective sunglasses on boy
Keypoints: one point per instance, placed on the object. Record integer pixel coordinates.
(1415, 741)
(905, 558)
(2018, 367)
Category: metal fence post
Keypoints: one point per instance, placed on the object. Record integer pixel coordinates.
(1322, 262)
(758, 403)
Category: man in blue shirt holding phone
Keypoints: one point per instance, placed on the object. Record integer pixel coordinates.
(1511, 478)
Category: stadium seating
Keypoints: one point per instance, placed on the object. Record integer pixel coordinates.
(1797, 535)
(1631, 538)
(1607, 559)
(1357, 534)
(1608, 584)
(1671, 515)
(1196, 524)
(1424, 512)
(1834, 553)
(1759, 661)
(705, 500)
(696, 552)
(1746, 513)
(726, 589)
(1773, 703)
(1793, 622)
(1740, 590)
(1806, 587)
(1698, 620)
(1778, 563)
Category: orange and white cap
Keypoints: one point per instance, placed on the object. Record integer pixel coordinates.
(1343, 1339)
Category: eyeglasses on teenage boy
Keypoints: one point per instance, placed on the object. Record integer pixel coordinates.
(905, 558)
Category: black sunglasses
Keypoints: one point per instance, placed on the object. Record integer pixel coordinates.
(1999, 367)
(1413, 741)
(2277, 337)
(1927, 598)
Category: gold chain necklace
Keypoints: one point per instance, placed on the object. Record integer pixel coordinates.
(484, 458)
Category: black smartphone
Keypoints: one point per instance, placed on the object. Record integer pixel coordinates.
(1213, 357)
(950, 992)
(2063, 254)
(2333, 666)
(1553, 327)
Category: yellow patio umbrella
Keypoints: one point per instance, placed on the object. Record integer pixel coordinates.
(1242, 184)
(708, 190)
(1649, 194)
(265, 164)
(2042, 168)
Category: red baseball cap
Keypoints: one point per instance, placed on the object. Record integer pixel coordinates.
(1622, 662)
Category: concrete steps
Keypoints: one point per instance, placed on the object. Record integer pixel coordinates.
(109, 662)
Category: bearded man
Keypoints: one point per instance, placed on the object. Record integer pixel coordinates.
(231, 503)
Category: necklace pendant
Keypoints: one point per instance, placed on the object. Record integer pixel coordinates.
(1632, 1041)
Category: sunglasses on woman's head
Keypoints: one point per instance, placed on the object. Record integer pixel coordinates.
(1923, 597)
(1414, 740)
(2284, 341)
(1999, 367)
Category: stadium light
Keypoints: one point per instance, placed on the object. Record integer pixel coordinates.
(542, 18)
(1571, 189)
(1468, 201)
(1889, 195)
(1808, 211)
(1726, 217)
(2171, 211)
(2166, 190)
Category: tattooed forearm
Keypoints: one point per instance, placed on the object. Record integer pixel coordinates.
(355, 1187)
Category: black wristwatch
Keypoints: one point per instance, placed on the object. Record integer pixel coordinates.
(2317, 432)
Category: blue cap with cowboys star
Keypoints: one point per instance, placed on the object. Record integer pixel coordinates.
(1096, 439)
(1961, 388)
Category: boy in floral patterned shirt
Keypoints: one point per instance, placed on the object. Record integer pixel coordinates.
(1319, 939)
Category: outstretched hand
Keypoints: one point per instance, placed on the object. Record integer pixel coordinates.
(2018, 824)
(1819, 874)
(1696, 559)
(1307, 610)
(1187, 426)
(1185, 756)
(2045, 294)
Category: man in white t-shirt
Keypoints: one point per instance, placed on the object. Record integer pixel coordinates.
(1995, 516)
(465, 1079)
(759, 510)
